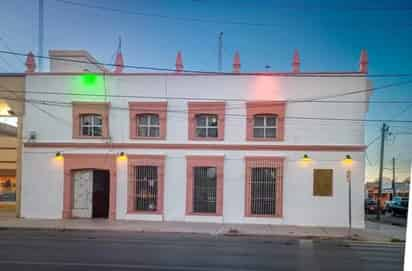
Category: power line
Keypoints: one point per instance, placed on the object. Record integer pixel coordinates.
(69, 104)
(279, 74)
(314, 99)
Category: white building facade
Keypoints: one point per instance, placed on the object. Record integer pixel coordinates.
(221, 148)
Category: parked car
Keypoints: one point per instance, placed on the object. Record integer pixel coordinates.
(400, 207)
(371, 206)
(390, 203)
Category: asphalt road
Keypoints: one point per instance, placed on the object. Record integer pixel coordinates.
(389, 219)
(75, 250)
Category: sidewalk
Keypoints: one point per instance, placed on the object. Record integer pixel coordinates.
(373, 231)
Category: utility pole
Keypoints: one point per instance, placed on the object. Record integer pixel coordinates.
(393, 178)
(385, 129)
(40, 34)
(220, 48)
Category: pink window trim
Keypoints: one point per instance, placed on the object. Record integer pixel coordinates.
(145, 160)
(265, 107)
(204, 161)
(253, 161)
(216, 108)
(100, 108)
(74, 162)
(138, 108)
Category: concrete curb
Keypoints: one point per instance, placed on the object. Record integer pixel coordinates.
(218, 233)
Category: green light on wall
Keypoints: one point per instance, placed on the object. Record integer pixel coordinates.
(88, 87)
(89, 79)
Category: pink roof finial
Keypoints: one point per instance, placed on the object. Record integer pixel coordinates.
(179, 62)
(363, 62)
(119, 63)
(296, 62)
(236, 62)
(30, 63)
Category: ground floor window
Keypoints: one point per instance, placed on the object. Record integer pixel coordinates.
(204, 190)
(7, 190)
(204, 185)
(263, 191)
(145, 188)
(264, 186)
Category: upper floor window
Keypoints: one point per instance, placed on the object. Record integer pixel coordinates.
(90, 119)
(206, 120)
(148, 125)
(148, 120)
(265, 120)
(206, 125)
(91, 125)
(264, 126)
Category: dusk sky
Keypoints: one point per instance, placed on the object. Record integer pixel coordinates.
(328, 36)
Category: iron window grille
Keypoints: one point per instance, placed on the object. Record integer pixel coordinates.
(204, 190)
(206, 125)
(91, 125)
(146, 188)
(264, 126)
(148, 125)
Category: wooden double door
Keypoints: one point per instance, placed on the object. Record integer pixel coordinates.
(91, 193)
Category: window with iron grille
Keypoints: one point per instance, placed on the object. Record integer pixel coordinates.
(148, 125)
(206, 125)
(204, 190)
(146, 188)
(264, 126)
(263, 191)
(91, 125)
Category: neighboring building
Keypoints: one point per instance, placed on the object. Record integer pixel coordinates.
(372, 188)
(223, 148)
(11, 110)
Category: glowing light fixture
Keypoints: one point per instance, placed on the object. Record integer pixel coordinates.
(122, 156)
(59, 156)
(306, 158)
(348, 161)
(89, 79)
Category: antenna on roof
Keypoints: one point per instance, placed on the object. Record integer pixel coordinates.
(220, 48)
(40, 34)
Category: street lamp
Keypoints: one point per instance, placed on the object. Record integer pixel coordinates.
(347, 163)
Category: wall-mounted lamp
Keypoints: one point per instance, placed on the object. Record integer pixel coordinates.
(306, 158)
(348, 161)
(122, 156)
(59, 156)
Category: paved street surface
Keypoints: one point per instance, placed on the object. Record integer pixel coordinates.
(85, 250)
(389, 219)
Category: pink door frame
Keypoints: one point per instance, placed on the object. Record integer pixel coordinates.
(74, 162)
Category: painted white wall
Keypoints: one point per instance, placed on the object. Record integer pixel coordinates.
(297, 131)
(42, 186)
(300, 206)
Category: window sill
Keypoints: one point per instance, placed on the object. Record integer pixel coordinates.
(264, 216)
(148, 137)
(206, 138)
(91, 137)
(203, 214)
(264, 139)
(135, 212)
